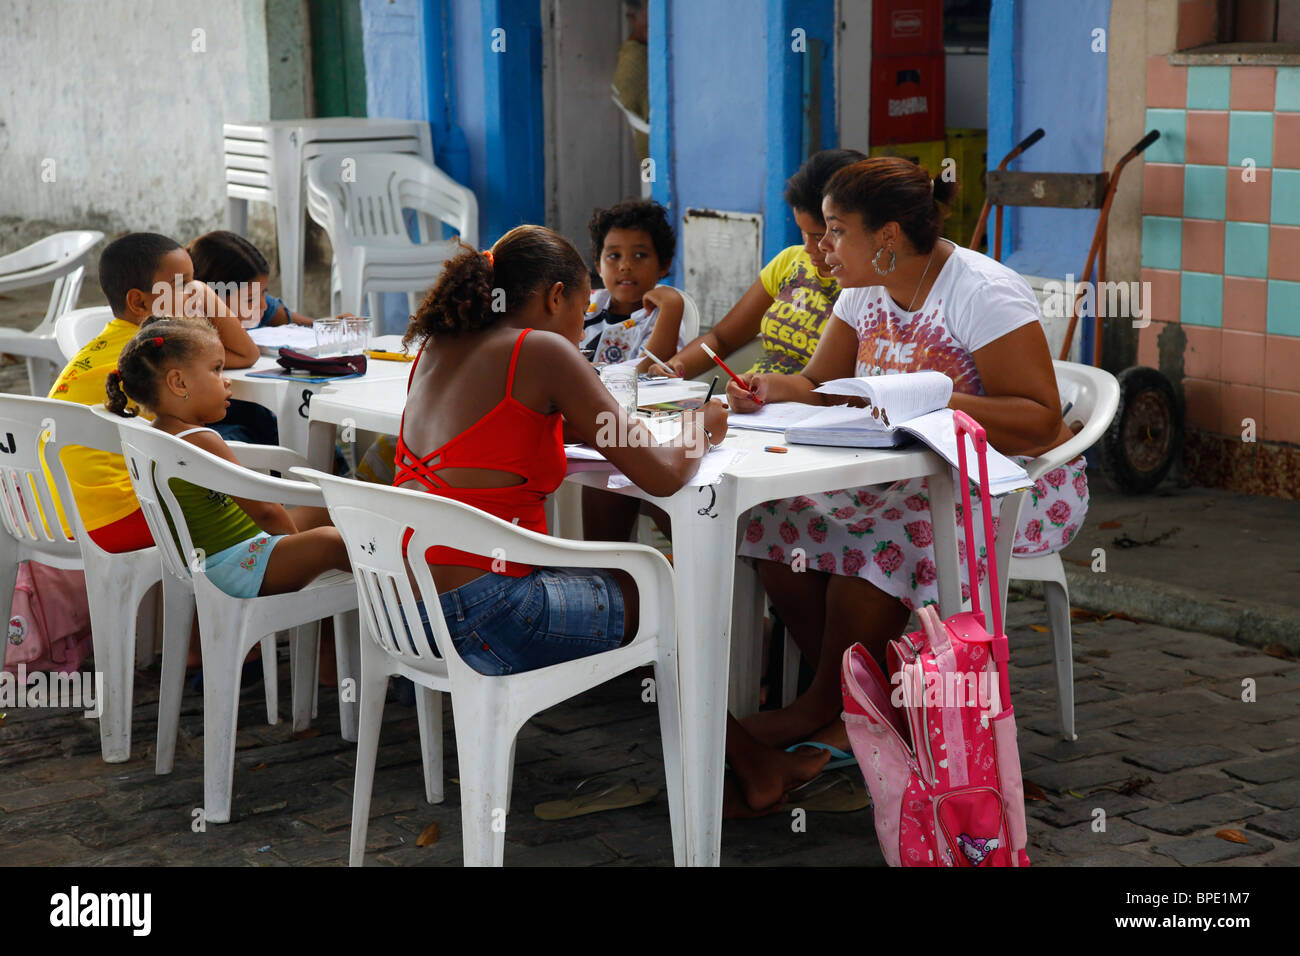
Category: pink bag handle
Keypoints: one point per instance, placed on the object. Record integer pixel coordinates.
(964, 424)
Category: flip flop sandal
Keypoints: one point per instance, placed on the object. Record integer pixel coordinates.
(838, 757)
(830, 793)
(595, 795)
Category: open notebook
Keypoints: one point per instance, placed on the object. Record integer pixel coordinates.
(910, 404)
(892, 401)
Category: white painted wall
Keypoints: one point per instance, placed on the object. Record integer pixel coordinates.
(116, 94)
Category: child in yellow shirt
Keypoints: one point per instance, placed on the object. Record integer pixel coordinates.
(141, 274)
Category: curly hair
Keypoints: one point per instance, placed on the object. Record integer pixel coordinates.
(161, 344)
(477, 289)
(644, 214)
(893, 189)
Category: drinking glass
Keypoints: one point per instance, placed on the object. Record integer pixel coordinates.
(329, 336)
(359, 330)
(621, 382)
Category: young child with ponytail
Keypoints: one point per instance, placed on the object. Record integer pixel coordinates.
(173, 368)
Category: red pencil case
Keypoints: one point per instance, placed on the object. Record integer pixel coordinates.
(328, 365)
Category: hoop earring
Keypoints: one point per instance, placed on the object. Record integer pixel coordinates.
(875, 261)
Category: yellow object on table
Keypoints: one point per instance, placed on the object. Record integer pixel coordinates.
(390, 356)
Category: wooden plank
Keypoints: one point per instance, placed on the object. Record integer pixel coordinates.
(1059, 190)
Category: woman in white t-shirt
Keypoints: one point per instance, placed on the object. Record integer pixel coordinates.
(909, 301)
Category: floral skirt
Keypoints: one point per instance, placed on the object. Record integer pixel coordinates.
(883, 533)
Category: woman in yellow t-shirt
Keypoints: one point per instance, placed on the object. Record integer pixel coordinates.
(789, 303)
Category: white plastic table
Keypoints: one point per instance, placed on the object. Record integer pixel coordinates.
(292, 400)
(266, 162)
(713, 601)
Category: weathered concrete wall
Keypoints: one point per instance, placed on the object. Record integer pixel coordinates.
(288, 59)
(111, 112)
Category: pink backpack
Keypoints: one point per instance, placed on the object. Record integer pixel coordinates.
(937, 745)
(49, 623)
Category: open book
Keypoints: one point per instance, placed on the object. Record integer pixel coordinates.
(896, 398)
(910, 404)
(892, 401)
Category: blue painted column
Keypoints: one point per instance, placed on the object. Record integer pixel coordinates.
(515, 185)
(661, 119)
(450, 149)
(793, 27)
(1002, 103)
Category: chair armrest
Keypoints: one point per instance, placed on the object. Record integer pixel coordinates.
(1059, 455)
(45, 260)
(650, 570)
(266, 458)
(240, 482)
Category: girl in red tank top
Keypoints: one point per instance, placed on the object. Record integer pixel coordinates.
(489, 400)
(498, 386)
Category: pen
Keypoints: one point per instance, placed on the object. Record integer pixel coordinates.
(658, 361)
(712, 386)
(734, 377)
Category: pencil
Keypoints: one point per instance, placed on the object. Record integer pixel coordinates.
(658, 361)
(734, 377)
(390, 356)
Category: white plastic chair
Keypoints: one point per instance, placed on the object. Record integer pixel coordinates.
(1094, 396)
(60, 259)
(229, 626)
(265, 162)
(360, 208)
(489, 711)
(636, 122)
(115, 583)
(690, 328)
(638, 125)
(74, 329)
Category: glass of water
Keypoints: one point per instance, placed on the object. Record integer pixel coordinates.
(621, 382)
(358, 332)
(329, 336)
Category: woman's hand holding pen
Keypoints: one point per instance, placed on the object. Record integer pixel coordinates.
(757, 386)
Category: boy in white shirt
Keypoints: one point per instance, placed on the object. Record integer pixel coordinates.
(633, 245)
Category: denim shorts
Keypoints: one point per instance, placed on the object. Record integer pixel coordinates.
(503, 625)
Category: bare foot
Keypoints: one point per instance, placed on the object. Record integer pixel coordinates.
(785, 726)
(772, 773)
(835, 733)
(734, 806)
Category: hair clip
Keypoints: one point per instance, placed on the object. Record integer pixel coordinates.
(487, 254)
(158, 341)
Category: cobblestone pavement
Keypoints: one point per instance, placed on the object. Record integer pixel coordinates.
(1167, 750)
